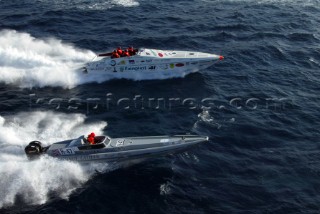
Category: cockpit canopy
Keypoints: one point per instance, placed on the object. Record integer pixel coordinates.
(82, 141)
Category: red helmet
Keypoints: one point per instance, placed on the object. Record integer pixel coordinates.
(92, 134)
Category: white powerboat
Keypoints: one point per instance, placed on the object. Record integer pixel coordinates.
(152, 61)
(114, 149)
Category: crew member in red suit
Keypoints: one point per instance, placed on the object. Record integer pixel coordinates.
(125, 53)
(119, 51)
(91, 138)
(115, 54)
(131, 51)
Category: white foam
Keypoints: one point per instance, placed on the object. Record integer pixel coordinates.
(28, 62)
(89, 5)
(126, 3)
(34, 180)
(282, 2)
(104, 5)
(206, 118)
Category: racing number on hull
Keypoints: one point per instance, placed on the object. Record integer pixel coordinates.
(67, 152)
(120, 143)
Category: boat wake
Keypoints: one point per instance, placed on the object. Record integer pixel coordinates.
(33, 181)
(30, 62)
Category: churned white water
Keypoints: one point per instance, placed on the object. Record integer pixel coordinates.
(33, 181)
(30, 62)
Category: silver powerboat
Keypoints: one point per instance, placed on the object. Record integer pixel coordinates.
(114, 149)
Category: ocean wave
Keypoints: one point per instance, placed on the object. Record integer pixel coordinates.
(277, 2)
(103, 5)
(89, 5)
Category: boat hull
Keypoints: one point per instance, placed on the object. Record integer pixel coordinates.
(126, 155)
(169, 64)
(115, 150)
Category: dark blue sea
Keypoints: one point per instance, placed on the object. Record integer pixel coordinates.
(260, 106)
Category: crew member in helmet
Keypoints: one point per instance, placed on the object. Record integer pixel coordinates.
(119, 51)
(131, 51)
(91, 139)
(125, 53)
(115, 54)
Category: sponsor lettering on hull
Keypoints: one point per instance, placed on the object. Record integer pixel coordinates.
(113, 63)
(152, 67)
(135, 68)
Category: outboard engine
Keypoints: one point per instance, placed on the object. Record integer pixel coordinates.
(33, 150)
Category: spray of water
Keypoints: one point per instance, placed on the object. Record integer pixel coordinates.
(33, 181)
(29, 62)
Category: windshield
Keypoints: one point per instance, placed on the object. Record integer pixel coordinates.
(77, 142)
